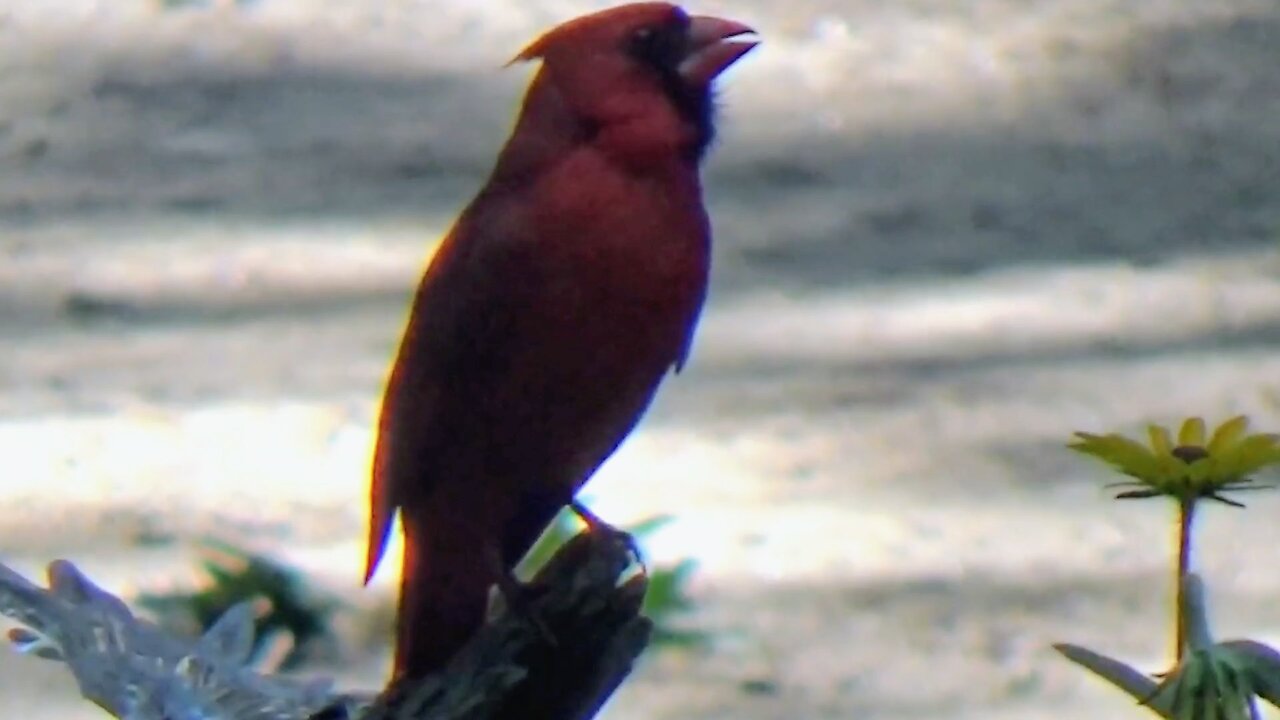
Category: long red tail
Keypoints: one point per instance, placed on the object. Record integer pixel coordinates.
(444, 593)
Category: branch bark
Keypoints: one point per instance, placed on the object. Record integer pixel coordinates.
(559, 659)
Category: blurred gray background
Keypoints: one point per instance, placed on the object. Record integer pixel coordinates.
(947, 235)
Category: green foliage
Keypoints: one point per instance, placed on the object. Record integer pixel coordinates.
(1210, 680)
(287, 604)
(667, 595)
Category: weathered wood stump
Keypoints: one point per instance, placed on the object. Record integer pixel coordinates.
(559, 658)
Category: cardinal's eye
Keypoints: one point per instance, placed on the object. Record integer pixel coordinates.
(645, 43)
(658, 46)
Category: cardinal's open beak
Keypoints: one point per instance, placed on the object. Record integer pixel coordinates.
(714, 45)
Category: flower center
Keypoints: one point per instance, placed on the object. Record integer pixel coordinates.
(1189, 453)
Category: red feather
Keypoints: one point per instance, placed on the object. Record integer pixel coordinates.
(566, 291)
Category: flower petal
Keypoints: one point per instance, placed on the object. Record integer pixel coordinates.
(1131, 457)
(1158, 435)
(1228, 434)
(1171, 471)
(1250, 455)
(1192, 432)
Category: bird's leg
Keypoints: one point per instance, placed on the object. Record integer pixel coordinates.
(596, 525)
(518, 596)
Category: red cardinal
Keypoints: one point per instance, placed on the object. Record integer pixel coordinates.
(543, 325)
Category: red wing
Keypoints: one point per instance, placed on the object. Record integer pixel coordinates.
(406, 412)
(464, 310)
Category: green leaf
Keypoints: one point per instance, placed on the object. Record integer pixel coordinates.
(666, 597)
(1136, 683)
(238, 575)
(557, 534)
(649, 526)
(667, 588)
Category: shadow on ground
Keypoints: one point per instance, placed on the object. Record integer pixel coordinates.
(1173, 149)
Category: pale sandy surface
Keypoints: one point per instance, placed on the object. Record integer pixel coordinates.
(948, 235)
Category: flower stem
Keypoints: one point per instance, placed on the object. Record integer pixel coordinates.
(1186, 515)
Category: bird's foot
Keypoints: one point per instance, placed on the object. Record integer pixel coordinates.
(598, 526)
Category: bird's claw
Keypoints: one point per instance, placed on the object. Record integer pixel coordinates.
(598, 526)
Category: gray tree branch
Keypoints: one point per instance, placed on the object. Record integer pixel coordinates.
(560, 658)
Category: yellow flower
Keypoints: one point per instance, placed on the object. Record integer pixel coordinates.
(1193, 468)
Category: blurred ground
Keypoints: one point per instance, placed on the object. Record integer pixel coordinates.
(948, 234)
